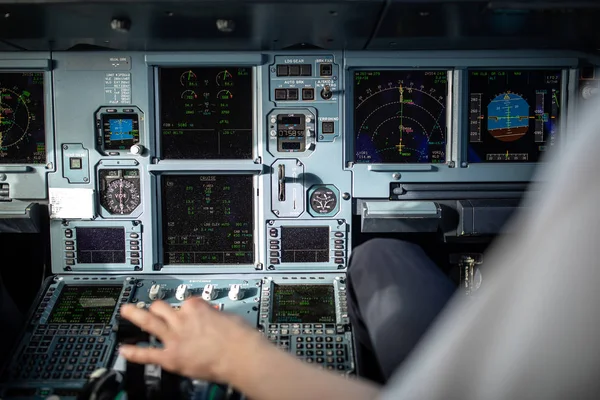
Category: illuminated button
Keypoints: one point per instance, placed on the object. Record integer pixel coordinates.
(339, 234)
(134, 235)
(339, 261)
(75, 162)
(305, 70)
(134, 242)
(308, 94)
(135, 255)
(292, 94)
(273, 232)
(70, 254)
(327, 127)
(339, 254)
(70, 262)
(68, 233)
(134, 248)
(280, 94)
(111, 110)
(274, 254)
(274, 261)
(339, 247)
(135, 261)
(69, 242)
(274, 247)
(337, 241)
(69, 247)
(282, 70)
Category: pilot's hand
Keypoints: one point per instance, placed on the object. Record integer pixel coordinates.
(199, 341)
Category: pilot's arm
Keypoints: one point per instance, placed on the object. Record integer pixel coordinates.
(202, 343)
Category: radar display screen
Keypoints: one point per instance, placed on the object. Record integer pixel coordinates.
(306, 245)
(207, 219)
(121, 131)
(85, 305)
(400, 116)
(513, 114)
(303, 304)
(206, 113)
(100, 245)
(22, 130)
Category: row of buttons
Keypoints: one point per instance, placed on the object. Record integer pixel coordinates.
(292, 94)
(294, 70)
(134, 247)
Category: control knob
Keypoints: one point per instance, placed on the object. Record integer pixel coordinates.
(235, 293)
(137, 149)
(182, 292)
(209, 292)
(156, 292)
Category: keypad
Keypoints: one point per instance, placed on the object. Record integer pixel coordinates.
(320, 344)
(63, 352)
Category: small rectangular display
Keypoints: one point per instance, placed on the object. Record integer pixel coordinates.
(513, 114)
(85, 305)
(303, 304)
(208, 219)
(206, 112)
(100, 245)
(121, 131)
(22, 119)
(304, 244)
(400, 116)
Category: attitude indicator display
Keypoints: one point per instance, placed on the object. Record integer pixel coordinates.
(400, 116)
(513, 114)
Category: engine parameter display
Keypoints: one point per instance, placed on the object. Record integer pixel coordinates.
(207, 219)
(303, 304)
(85, 305)
(513, 114)
(22, 129)
(400, 116)
(206, 112)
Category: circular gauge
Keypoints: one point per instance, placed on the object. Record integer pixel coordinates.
(189, 95)
(121, 197)
(224, 78)
(14, 117)
(323, 201)
(188, 78)
(224, 95)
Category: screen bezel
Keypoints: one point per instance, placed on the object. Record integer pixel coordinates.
(212, 64)
(564, 86)
(351, 89)
(158, 249)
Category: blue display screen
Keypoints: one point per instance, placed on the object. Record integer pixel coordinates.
(121, 129)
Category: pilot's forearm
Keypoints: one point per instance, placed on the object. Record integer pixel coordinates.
(263, 372)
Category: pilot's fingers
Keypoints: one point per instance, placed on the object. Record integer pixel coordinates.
(164, 311)
(147, 321)
(141, 355)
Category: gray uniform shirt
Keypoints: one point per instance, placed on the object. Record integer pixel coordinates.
(534, 330)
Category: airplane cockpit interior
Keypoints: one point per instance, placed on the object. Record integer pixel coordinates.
(241, 151)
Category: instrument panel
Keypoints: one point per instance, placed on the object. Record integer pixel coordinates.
(235, 177)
